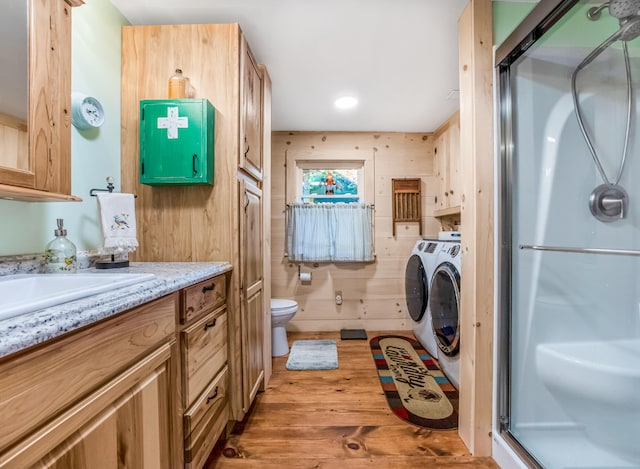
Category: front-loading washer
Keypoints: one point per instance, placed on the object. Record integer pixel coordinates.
(419, 270)
(444, 306)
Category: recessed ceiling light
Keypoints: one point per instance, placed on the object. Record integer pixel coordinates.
(346, 102)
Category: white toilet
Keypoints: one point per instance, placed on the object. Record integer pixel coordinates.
(281, 312)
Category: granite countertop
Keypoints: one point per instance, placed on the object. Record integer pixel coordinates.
(26, 330)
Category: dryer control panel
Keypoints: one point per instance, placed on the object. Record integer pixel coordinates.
(453, 250)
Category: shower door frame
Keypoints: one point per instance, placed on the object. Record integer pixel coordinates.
(533, 27)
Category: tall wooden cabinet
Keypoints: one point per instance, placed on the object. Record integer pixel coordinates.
(252, 291)
(208, 223)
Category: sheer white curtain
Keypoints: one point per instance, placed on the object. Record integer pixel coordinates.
(330, 232)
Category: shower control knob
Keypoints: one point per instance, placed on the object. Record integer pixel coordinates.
(609, 202)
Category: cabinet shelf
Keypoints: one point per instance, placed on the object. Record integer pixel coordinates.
(445, 212)
(407, 202)
(25, 194)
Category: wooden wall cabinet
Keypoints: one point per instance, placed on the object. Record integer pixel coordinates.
(42, 172)
(180, 151)
(101, 397)
(447, 167)
(208, 223)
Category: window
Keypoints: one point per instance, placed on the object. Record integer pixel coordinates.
(331, 181)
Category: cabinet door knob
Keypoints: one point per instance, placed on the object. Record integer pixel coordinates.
(210, 324)
(208, 288)
(195, 170)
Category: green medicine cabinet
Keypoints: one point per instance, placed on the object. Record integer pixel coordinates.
(176, 141)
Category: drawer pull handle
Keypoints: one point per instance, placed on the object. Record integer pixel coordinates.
(209, 288)
(215, 394)
(210, 324)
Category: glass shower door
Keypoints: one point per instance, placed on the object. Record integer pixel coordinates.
(569, 281)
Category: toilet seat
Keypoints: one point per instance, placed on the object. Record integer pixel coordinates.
(281, 306)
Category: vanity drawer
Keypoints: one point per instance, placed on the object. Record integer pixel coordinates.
(204, 414)
(204, 352)
(203, 296)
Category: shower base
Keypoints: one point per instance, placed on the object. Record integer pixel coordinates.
(567, 447)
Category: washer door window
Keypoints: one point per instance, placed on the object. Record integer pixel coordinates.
(416, 288)
(445, 303)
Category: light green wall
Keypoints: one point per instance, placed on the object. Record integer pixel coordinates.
(572, 30)
(506, 16)
(96, 64)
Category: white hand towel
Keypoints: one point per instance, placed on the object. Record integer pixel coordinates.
(118, 219)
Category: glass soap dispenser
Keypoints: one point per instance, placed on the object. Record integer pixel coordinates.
(60, 254)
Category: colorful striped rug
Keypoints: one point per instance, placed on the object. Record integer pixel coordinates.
(415, 388)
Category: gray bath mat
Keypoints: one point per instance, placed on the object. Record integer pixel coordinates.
(353, 334)
(313, 355)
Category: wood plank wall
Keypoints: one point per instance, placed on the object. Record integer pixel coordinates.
(183, 223)
(476, 169)
(373, 294)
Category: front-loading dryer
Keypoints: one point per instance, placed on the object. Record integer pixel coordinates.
(419, 270)
(444, 307)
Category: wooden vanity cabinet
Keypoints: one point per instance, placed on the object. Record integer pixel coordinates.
(205, 375)
(100, 397)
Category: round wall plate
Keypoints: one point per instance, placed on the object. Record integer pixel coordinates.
(86, 111)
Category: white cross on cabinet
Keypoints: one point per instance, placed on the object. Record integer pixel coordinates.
(172, 123)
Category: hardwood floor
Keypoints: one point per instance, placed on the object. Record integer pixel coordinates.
(335, 419)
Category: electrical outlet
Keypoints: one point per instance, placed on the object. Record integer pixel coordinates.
(338, 297)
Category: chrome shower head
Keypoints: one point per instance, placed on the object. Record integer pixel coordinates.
(629, 28)
(624, 8)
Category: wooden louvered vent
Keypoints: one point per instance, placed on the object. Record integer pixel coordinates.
(407, 202)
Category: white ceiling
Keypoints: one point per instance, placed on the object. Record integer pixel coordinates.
(398, 57)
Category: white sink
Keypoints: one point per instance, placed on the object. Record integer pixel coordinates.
(25, 293)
